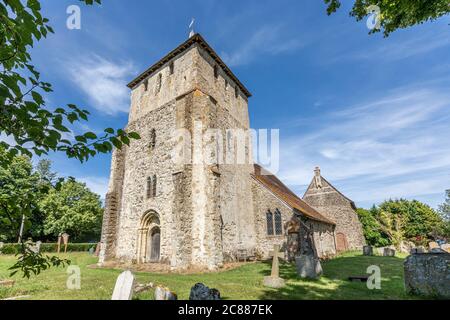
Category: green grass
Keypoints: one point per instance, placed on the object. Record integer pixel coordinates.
(241, 283)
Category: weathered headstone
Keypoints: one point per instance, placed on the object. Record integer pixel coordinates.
(1, 247)
(433, 245)
(7, 283)
(368, 251)
(97, 249)
(91, 251)
(162, 293)
(428, 275)
(308, 266)
(446, 247)
(274, 280)
(124, 287)
(65, 239)
(58, 245)
(389, 252)
(202, 292)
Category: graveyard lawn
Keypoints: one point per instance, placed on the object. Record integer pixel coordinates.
(244, 282)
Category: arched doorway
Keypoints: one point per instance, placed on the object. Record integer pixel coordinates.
(149, 238)
(341, 242)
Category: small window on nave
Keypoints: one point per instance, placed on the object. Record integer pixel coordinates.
(146, 85)
(171, 67)
(269, 218)
(278, 223)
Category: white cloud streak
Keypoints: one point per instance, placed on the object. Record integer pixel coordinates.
(393, 146)
(267, 40)
(103, 82)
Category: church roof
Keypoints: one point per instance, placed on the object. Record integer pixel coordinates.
(197, 38)
(282, 192)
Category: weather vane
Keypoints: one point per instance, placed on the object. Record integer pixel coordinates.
(191, 27)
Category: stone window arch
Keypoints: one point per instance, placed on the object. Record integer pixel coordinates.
(152, 144)
(154, 186)
(216, 71)
(146, 85)
(151, 188)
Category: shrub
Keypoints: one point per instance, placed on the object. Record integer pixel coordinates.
(14, 248)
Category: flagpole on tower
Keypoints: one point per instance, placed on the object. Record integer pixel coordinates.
(191, 27)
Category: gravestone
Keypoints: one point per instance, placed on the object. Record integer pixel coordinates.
(7, 283)
(58, 244)
(389, 252)
(428, 275)
(445, 247)
(368, 251)
(91, 250)
(274, 280)
(65, 239)
(162, 293)
(1, 247)
(97, 249)
(308, 266)
(202, 292)
(433, 245)
(124, 287)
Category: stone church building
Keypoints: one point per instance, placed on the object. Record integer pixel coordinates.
(193, 213)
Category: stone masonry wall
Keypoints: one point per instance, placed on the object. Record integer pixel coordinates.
(264, 200)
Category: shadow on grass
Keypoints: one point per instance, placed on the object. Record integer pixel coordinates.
(334, 283)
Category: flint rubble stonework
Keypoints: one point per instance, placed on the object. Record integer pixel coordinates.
(205, 213)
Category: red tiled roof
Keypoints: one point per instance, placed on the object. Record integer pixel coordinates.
(282, 192)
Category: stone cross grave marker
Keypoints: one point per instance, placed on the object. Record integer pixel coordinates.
(274, 280)
(37, 247)
(124, 286)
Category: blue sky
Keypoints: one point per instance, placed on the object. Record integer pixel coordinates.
(373, 113)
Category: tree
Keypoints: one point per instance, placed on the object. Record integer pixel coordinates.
(19, 195)
(444, 211)
(395, 14)
(372, 229)
(24, 117)
(46, 175)
(418, 219)
(73, 209)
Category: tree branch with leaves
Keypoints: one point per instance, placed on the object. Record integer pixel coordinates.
(35, 128)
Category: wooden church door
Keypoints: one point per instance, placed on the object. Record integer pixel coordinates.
(155, 246)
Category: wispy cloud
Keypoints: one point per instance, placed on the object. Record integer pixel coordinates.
(103, 82)
(392, 146)
(397, 49)
(98, 185)
(267, 40)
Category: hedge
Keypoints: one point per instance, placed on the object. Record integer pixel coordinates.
(14, 248)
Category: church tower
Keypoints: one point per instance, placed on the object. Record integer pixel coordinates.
(173, 197)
